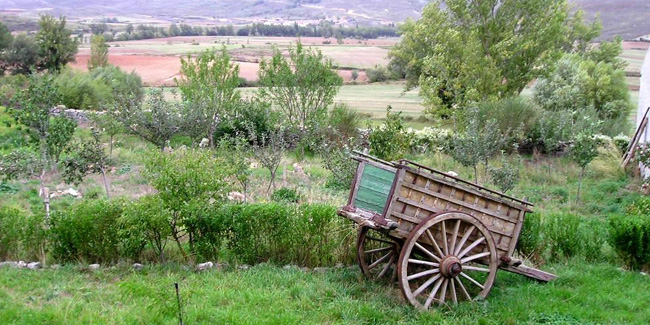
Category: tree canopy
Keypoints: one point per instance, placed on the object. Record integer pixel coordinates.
(56, 45)
(98, 52)
(462, 51)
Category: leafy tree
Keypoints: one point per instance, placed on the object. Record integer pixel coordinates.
(463, 51)
(390, 141)
(187, 181)
(108, 123)
(209, 88)
(87, 158)
(31, 108)
(98, 52)
(302, 86)
(129, 29)
(22, 56)
(480, 141)
(5, 37)
(506, 176)
(268, 150)
(56, 46)
(583, 150)
(236, 154)
(157, 122)
(59, 136)
(582, 84)
(98, 29)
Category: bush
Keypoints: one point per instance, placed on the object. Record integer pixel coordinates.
(629, 235)
(531, 241)
(251, 119)
(378, 74)
(514, 118)
(390, 141)
(564, 237)
(287, 195)
(78, 91)
(12, 225)
(88, 231)
(143, 222)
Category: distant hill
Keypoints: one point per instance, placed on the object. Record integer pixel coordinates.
(628, 18)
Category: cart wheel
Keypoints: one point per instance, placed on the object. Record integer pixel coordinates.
(438, 260)
(377, 254)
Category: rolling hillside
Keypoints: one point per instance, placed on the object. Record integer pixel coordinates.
(628, 18)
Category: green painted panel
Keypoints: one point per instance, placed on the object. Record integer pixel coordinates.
(374, 189)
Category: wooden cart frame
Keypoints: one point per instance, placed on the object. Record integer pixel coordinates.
(441, 237)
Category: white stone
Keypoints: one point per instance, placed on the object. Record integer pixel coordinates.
(204, 143)
(452, 173)
(204, 266)
(236, 196)
(137, 266)
(321, 269)
(9, 264)
(34, 265)
(244, 267)
(22, 264)
(94, 266)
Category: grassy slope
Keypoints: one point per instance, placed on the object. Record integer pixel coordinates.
(271, 295)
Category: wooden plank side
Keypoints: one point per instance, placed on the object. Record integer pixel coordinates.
(374, 188)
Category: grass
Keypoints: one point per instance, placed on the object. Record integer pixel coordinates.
(266, 294)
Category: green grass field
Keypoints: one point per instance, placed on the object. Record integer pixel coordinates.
(583, 294)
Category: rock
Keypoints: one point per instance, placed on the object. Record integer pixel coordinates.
(254, 165)
(55, 266)
(137, 266)
(288, 267)
(34, 265)
(204, 143)
(22, 264)
(94, 267)
(320, 269)
(339, 265)
(244, 267)
(643, 273)
(204, 266)
(304, 269)
(452, 173)
(74, 192)
(9, 264)
(236, 196)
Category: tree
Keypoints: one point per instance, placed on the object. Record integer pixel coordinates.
(157, 123)
(5, 37)
(465, 51)
(98, 52)
(269, 151)
(31, 108)
(583, 150)
(209, 88)
(129, 29)
(235, 152)
(390, 141)
(187, 180)
(302, 87)
(87, 158)
(108, 123)
(22, 55)
(56, 45)
(59, 136)
(506, 176)
(98, 29)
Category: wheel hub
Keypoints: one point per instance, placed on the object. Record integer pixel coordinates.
(450, 267)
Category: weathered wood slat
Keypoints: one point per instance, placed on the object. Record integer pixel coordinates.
(530, 272)
(461, 203)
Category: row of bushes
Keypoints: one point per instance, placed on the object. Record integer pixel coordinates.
(111, 231)
(556, 237)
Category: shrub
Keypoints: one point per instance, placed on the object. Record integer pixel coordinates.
(12, 226)
(337, 160)
(429, 139)
(593, 236)
(531, 241)
(321, 237)
(378, 74)
(621, 142)
(342, 123)
(88, 231)
(629, 235)
(288, 195)
(564, 237)
(79, 91)
(145, 221)
(514, 118)
(390, 141)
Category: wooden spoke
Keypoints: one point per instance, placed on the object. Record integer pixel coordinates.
(444, 238)
(434, 243)
(475, 268)
(423, 273)
(468, 232)
(426, 251)
(383, 258)
(473, 257)
(443, 292)
(462, 288)
(454, 237)
(381, 249)
(471, 280)
(379, 240)
(414, 261)
(432, 294)
(454, 298)
(387, 266)
(425, 285)
(470, 247)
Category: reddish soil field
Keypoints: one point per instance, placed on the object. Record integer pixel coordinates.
(161, 70)
(636, 45)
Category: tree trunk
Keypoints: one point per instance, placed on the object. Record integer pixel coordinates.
(582, 172)
(45, 195)
(110, 145)
(272, 182)
(475, 175)
(108, 194)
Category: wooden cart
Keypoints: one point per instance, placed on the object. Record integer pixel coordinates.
(441, 237)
